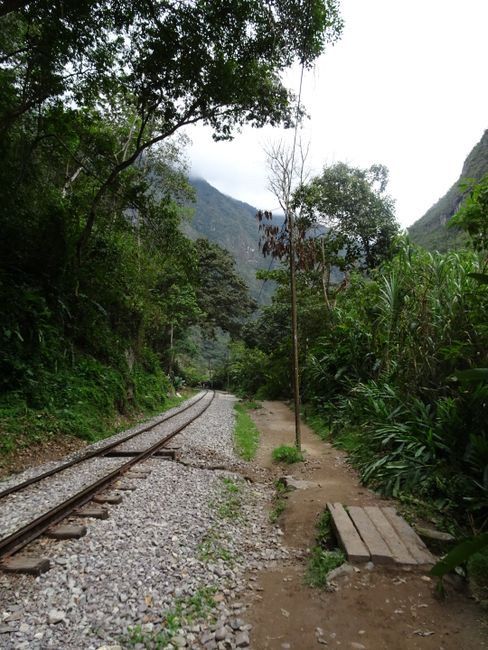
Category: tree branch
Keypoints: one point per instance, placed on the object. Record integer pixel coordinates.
(8, 6)
(125, 164)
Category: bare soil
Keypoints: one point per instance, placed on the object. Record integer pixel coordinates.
(39, 453)
(391, 609)
(33, 453)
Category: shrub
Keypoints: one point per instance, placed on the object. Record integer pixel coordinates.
(286, 454)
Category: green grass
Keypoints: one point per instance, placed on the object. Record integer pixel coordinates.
(321, 563)
(324, 534)
(286, 454)
(246, 436)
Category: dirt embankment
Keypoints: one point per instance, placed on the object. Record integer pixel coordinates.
(375, 609)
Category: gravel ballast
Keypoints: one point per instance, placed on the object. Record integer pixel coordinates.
(22, 507)
(167, 569)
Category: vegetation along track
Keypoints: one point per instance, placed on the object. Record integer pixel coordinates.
(150, 441)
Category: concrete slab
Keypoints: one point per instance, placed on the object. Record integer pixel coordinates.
(347, 535)
(416, 547)
(377, 547)
(388, 533)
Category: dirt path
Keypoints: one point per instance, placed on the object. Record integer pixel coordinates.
(372, 609)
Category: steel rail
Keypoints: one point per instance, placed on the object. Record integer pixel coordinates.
(28, 533)
(93, 453)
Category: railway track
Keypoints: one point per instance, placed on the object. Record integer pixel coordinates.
(107, 462)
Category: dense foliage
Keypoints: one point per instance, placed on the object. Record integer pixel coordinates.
(396, 368)
(97, 281)
(343, 221)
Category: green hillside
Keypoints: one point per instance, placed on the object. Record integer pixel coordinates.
(233, 225)
(431, 231)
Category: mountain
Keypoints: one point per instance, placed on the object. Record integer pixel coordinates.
(431, 231)
(233, 225)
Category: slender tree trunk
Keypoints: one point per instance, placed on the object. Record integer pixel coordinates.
(294, 329)
(171, 334)
(325, 275)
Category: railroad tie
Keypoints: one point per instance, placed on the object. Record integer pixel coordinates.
(67, 531)
(109, 497)
(33, 566)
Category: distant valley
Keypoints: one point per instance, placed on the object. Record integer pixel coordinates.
(233, 225)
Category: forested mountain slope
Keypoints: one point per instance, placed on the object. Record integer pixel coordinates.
(233, 225)
(431, 230)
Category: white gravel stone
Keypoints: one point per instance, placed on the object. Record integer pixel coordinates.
(168, 539)
(20, 508)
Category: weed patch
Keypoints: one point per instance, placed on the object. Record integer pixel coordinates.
(211, 548)
(184, 612)
(230, 506)
(279, 501)
(325, 556)
(321, 563)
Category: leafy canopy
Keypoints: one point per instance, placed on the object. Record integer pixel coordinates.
(353, 215)
(173, 62)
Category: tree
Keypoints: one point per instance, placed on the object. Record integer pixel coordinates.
(346, 221)
(472, 216)
(282, 173)
(222, 294)
(355, 215)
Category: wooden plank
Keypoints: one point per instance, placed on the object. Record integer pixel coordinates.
(348, 536)
(162, 453)
(379, 550)
(416, 547)
(124, 487)
(388, 533)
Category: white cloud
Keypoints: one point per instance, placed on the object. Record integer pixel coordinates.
(406, 87)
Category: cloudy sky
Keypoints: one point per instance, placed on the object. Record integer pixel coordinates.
(406, 86)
